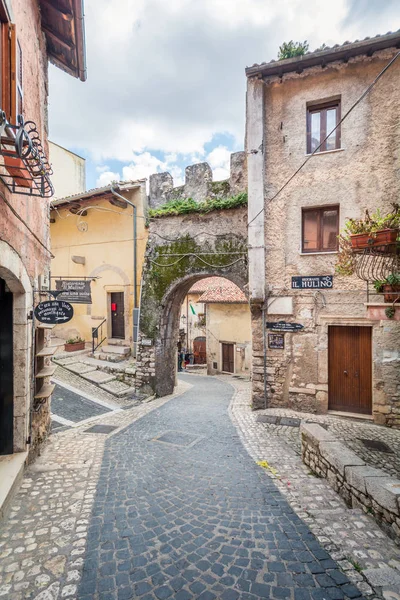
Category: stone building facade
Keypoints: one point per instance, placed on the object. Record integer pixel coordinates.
(181, 250)
(291, 104)
(24, 205)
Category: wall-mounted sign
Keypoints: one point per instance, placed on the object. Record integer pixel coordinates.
(146, 342)
(54, 312)
(315, 282)
(276, 341)
(284, 326)
(76, 291)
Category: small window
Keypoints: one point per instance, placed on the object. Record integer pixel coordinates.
(321, 120)
(320, 229)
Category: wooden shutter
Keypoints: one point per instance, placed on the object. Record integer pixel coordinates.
(9, 68)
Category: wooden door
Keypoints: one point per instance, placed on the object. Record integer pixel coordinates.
(199, 350)
(117, 315)
(350, 369)
(6, 370)
(228, 363)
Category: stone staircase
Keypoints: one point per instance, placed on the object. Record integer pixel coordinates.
(112, 353)
(114, 376)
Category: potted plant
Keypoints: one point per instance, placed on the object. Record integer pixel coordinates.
(390, 287)
(373, 230)
(74, 344)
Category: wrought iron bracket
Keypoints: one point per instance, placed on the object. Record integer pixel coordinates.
(24, 167)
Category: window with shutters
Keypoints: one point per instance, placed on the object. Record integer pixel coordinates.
(321, 120)
(320, 229)
(11, 68)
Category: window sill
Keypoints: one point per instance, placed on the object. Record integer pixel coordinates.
(318, 253)
(327, 152)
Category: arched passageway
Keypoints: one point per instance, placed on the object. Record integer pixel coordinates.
(181, 250)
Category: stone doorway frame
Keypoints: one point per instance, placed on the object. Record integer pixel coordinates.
(13, 271)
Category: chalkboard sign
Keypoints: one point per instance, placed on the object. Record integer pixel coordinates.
(76, 291)
(284, 326)
(317, 282)
(54, 312)
(276, 341)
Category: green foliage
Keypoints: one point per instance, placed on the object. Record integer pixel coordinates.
(355, 564)
(291, 49)
(75, 340)
(181, 206)
(373, 223)
(390, 312)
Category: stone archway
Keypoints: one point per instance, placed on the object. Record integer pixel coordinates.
(181, 250)
(13, 272)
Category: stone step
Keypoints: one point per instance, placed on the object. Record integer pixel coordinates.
(80, 368)
(98, 377)
(118, 388)
(124, 350)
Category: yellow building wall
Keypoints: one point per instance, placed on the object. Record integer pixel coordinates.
(105, 240)
(189, 321)
(229, 323)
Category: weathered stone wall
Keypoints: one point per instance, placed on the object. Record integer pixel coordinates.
(364, 173)
(181, 250)
(361, 486)
(22, 258)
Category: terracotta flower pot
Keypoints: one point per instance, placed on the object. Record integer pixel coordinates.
(74, 347)
(380, 238)
(391, 293)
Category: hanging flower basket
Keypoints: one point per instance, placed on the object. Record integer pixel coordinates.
(368, 240)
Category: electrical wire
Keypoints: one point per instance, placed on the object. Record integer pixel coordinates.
(199, 258)
(192, 236)
(14, 212)
(369, 88)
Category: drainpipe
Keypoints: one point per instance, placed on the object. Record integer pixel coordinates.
(115, 193)
(264, 308)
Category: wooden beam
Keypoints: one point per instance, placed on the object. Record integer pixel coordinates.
(57, 38)
(63, 15)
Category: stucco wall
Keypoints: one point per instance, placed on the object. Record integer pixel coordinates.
(229, 323)
(107, 249)
(364, 173)
(69, 175)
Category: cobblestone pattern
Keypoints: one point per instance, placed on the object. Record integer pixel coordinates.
(79, 383)
(348, 430)
(350, 482)
(42, 541)
(348, 534)
(74, 407)
(198, 520)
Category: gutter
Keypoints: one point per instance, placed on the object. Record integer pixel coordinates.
(79, 23)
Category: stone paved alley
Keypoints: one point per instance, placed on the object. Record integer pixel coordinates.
(168, 503)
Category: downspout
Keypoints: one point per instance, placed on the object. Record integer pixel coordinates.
(264, 308)
(115, 193)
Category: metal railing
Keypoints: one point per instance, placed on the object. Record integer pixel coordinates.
(97, 333)
(24, 167)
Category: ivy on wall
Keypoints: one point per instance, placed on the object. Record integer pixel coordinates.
(181, 206)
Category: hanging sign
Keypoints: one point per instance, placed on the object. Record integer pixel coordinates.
(315, 282)
(276, 341)
(76, 291)
(54, 312)
(284, 326)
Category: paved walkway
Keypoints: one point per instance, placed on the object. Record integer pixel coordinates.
(168, 505)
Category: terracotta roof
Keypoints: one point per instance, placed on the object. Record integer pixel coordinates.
(222, 291)
(201, 286)
(120, 186)
(321, 57)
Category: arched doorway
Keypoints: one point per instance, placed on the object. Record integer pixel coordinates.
(161, 358)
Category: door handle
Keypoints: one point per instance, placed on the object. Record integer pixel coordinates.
(356, 374)
(345, 372)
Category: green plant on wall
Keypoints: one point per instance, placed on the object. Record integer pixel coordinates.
(291, 49)
(181, 206)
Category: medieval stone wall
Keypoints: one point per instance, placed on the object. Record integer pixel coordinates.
(181, 250)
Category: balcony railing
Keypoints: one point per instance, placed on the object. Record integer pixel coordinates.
(24, 167)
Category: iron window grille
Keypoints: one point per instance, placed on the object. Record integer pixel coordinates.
(24, 167)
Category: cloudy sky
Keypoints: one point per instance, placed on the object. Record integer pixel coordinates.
(166, 83)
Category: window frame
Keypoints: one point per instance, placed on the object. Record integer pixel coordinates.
(320, 210)
(322, 108)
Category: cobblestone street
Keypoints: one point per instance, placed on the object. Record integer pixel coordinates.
(168, 503)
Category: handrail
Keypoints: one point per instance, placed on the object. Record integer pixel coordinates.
(95, 335)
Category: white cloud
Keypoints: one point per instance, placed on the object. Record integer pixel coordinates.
(167, 76)
(106, 178)
(102, 168)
